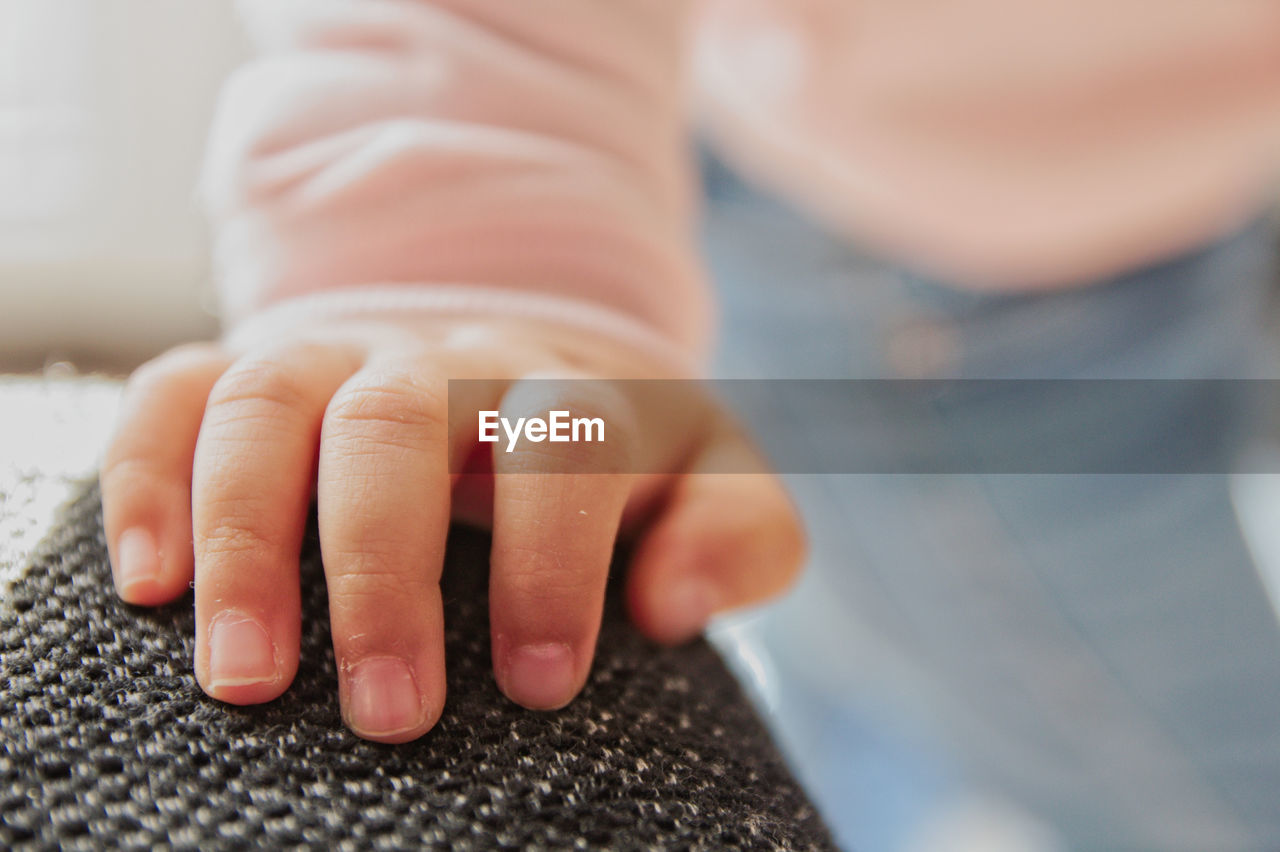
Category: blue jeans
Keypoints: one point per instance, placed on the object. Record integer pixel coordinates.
(1094, 651)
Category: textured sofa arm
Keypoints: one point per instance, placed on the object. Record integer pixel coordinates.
(107, 739)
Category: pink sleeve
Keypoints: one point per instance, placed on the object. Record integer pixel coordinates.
(486, 155)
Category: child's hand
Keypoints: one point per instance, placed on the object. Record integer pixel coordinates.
(224, 449)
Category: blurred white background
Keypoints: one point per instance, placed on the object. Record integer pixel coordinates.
(103, 254)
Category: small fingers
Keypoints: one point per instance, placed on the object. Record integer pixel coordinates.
(557, 507)
(252, 486)
(146, 473)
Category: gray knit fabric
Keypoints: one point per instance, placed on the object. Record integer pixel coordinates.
(107, 740)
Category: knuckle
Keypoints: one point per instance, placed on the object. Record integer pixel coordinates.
(395, 401)
(369, 578)
(232, 538)
(471, 339)
(259, 382)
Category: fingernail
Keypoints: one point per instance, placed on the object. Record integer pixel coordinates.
(541, 677)
(384, 697)
(138, 558)
(240, 652)
(690, 603)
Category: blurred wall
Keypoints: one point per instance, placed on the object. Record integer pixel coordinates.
(104, 107)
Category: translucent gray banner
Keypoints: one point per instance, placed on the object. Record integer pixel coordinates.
(1013, 426)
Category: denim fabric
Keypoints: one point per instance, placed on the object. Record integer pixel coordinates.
(1096, 651)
